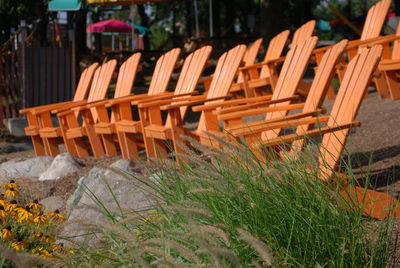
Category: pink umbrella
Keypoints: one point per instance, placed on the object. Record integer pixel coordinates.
(113, 25)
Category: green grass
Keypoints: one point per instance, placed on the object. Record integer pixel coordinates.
(228, 208)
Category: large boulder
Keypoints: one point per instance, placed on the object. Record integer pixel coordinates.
(102, 192)
(24, 168)
(61, 166)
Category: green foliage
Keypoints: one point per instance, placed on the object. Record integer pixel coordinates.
(229, 208)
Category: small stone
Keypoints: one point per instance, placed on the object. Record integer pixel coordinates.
(25, 168)
(61, 166)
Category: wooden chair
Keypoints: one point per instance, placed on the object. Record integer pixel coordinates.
(156, 133)
(291, 74)
(73, 133)
(249, 58)
(40, 117)
(339, 123)
(126, 128)
(371, 33)
(389, 67)
(276, 109)
(262, 77)
(101, 79)
(257, 79)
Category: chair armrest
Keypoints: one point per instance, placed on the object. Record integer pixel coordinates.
(311, 133)
(46, 107)
(151, 103)
(286, 121)
(68, 107)
(240, 114)
(192, 103)
(228, 103)
(169, 97)
(255, 102)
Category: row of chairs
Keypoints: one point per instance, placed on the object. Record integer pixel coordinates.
(232, 75)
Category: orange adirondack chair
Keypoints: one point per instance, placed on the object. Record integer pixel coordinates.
(262, 77)
(157, 133)
(257, 80)
(40, 117)
(291, 74)
(389, 68)
(249, 58)
(101, 79)
(73, 133)
(276, 109)
(124, 125)
(339, 123)
(371, 32)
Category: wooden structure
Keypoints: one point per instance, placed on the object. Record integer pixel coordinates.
(98, 89)
(276, 109)
(268, 75)
(73, 133)
(157, 133)
(40, 117)
(371, 32)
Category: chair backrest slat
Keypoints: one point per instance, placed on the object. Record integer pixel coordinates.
(101, 80)
(126, 76)
(250, 56)
(225, 71)
(162, 72)
(190, 74)
(375, 19)
(292, 72)
(84, 82)
(323, 77)
(347, 103)
(274, 50)
(303, 32)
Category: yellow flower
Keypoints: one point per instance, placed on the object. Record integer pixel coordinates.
(147, 219)
(12, 184)
(12, 192)
(40, 219)
(3, 213)
(59, 248)
(56, 216)
(11, 206)
(23, 215)
(45, 254)
(19, 245)
(35, 205)
(6, 233)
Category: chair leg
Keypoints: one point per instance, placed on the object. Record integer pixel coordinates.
(80, 147)
(128, 145)
(109, 145)
(381, 86)
(373, 204)
(51, 146)
(38, 145)
(95, 142)
(392, 84)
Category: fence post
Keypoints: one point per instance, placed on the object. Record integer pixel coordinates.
(24, 79)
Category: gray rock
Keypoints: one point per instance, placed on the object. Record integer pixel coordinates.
(25, 168)
(61, 166)
(104, 192)
(52, 203)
